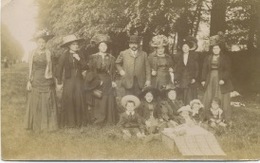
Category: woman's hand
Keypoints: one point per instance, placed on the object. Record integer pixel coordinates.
(193, 81)
(59, 87)
(114, 85)
(126, 132)
(84, 74)
(148, 123)
(29, 86)
(140, 135)
(76, 56)
(122, 73)
(147, 83)
(173, 123)
(154, 73)
(203, 83)
(171, 69)
(221, 82)
(101, 83)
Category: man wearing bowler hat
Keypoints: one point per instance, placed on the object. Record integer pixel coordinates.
(134, 67)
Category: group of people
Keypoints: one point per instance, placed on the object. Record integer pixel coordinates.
(159, 90)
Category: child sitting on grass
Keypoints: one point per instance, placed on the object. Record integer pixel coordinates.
(184, 115)
(130, 122)
(149, 109)
(215, 114)
(197, 112)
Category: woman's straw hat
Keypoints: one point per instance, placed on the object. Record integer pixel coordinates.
(70, 38)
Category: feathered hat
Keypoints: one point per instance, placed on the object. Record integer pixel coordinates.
(159, 40)
(44, 34)
(191, 41)
(98, 38)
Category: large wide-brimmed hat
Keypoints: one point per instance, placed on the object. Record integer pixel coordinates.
(155, 92)
(184, 108)
(196, 101)
(131, 98)
(70, 38)
(191, 41)
(98, 38)
(44, 34)
(159, 40)
(135, 39)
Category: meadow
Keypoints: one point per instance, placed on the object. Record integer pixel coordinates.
(242, 141)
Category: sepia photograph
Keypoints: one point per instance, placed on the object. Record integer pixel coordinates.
(138, 80)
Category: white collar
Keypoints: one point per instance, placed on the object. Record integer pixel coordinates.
(102, 54)
(163, 55)
(216, 110)
(195, 111)
(133, 52)
(73, 52)
(130, 113)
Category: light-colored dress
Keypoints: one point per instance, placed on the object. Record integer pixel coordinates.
(41, 113)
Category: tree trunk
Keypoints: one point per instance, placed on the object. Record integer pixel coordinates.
(198, 15)
(258, 24)
(252, 27)
(218, 15)
(183, 26)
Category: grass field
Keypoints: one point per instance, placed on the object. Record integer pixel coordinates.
(240, 142)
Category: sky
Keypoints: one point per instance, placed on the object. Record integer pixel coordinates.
(20, 18)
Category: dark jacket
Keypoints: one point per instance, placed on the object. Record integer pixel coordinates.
(223, 72)
(185, 73)
(134, 66)
(97, 65)
(128, 121)
(168, 110)
(67, 62)
(145, 112)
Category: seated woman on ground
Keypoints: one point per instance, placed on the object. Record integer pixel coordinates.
(169, 106)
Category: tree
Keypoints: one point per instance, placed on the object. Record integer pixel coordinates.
(117, 18)
(218, 16)
(242, 19)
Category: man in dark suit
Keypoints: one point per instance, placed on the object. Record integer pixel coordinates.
(134, 68)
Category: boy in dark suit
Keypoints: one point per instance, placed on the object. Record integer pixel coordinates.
(130, 122)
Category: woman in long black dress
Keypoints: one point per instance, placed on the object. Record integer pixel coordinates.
(187, 71)
(216, 79)
(41, 113)
(73, 64)
(103, 64)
